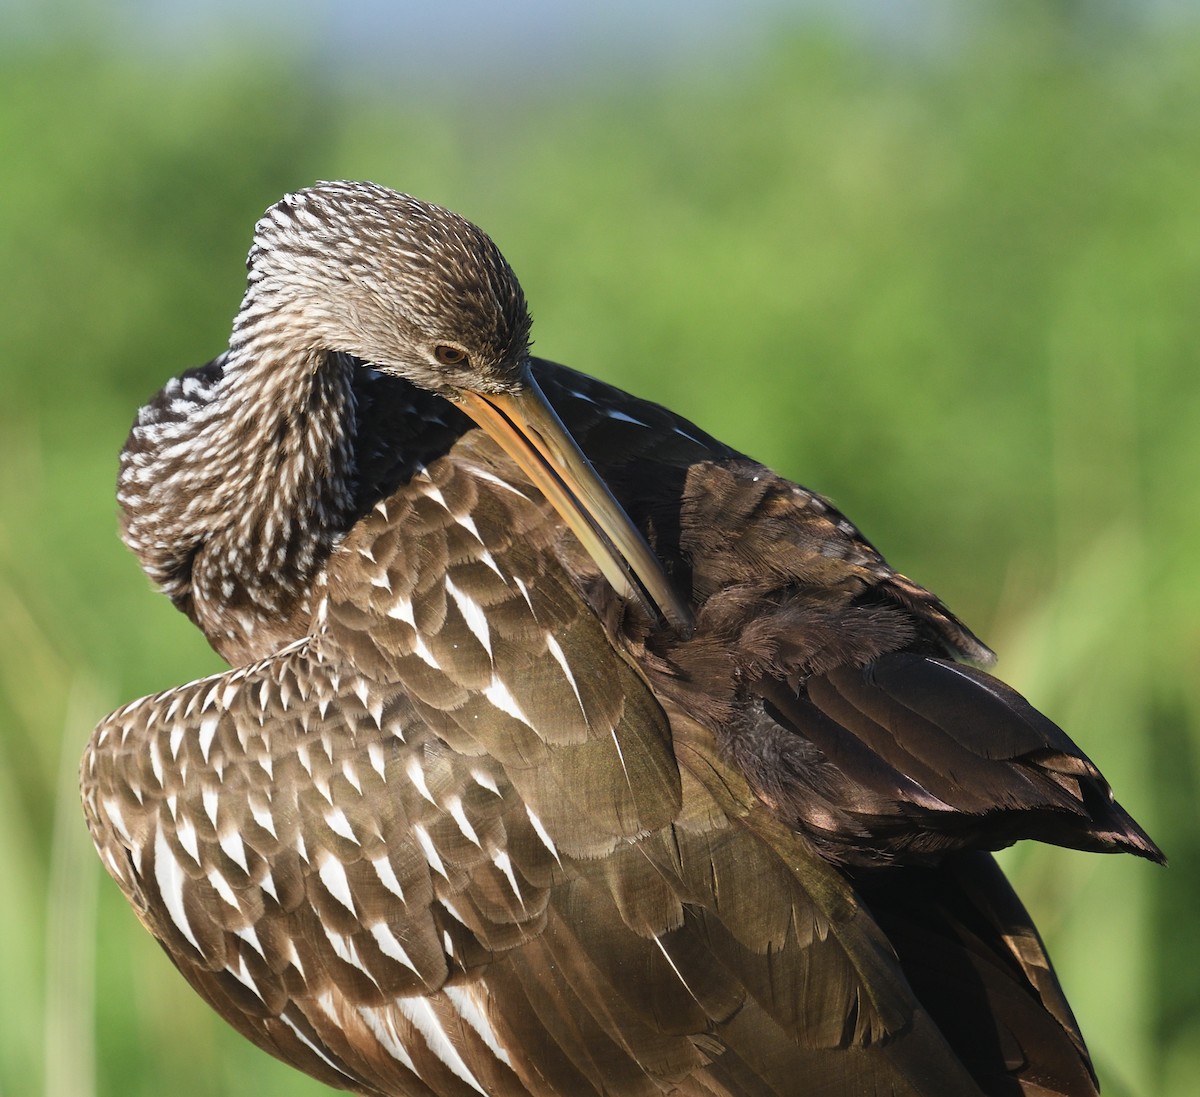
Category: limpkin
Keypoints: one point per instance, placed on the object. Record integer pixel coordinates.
(632, 773)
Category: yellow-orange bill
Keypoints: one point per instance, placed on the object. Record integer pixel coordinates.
(533, 435)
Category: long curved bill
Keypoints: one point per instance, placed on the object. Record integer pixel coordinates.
(533, 435)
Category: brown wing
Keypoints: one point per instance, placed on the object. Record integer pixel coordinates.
(430, 850)
(828, 677)
(391, 916)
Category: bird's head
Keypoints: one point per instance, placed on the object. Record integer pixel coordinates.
(416, 291)
(409, 287)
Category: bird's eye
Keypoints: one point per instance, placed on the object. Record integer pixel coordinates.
(451, 356)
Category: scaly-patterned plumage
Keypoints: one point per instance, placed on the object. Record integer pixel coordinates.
(495, 801)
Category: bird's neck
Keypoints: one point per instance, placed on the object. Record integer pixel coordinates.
(289, 441)
(233, 507)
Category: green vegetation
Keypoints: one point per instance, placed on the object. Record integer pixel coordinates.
(956, 292)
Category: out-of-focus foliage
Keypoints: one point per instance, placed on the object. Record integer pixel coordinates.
(956, 291)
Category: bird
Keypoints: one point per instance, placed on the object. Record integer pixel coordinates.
(564, 749)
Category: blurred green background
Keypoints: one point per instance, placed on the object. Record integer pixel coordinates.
(947, 273)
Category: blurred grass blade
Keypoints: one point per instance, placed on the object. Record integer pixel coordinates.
(70, 1067)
